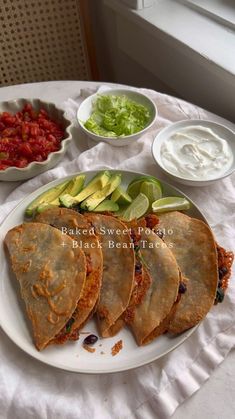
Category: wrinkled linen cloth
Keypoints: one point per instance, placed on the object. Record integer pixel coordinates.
(29, 389)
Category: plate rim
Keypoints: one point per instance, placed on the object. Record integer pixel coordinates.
(114, 369)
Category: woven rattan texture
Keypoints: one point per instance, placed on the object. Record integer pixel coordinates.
(41, 40)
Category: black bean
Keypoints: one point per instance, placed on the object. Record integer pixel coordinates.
(220, 282)
(90, 340)
(182, 288)
(222, 271)
(219, 295)
(138, 267)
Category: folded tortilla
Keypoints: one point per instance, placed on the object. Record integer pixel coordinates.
(118, 272)
(78, 228)
(193, 245)
(51, 274)
(142, 280)
(153, 314)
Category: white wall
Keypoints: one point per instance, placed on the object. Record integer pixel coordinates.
(114, 64)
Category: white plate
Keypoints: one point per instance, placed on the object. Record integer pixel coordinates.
(71, 356)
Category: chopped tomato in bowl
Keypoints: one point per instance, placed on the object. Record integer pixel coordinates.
(31, 132)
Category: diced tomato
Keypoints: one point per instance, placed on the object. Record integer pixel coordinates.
(43, 113)
(9, 132)
(10, 121)
(26, 117)
(27, 136)
(6, 162)
(39, 158)
(52, 138)
(25, 150)
(27, 108)
(22, 162)
(34, 130)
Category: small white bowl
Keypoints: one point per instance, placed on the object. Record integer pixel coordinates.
(85, 110)
(35, 168)
(167, 132)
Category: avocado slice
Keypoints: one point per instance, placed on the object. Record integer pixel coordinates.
(107, 205)
(47, 196)
(97, 197)
(121, 197)
(97, 183)
(44, 206)
(50, 200)
(75, 185)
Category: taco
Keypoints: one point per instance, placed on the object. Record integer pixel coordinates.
(118, 271)
(78, 228)
(194, 248)
(153, 314)
(142, 279)
(51, 274)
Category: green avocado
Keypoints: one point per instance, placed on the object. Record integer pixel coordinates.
(107, 205)
(97, 183)
(44, 206)
(46, 197)
(75, 185)
(121, 197)
(97, 197)
(50, 198)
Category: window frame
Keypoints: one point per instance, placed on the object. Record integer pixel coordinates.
(217, 12)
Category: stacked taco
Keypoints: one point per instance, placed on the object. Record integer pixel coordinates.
(73, 266)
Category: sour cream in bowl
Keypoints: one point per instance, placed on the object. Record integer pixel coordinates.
(195, 152)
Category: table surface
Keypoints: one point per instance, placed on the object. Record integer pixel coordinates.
(216, 398)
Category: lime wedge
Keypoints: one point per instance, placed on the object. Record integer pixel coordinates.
(152, 190)
(134, 187)
(170, 203)
(146, 178)
(120, 197)
(137, 208)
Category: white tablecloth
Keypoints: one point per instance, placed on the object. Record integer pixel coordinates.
(29, 389)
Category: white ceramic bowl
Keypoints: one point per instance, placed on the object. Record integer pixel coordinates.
(35, 168)
(85, 110)
(167, 132)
